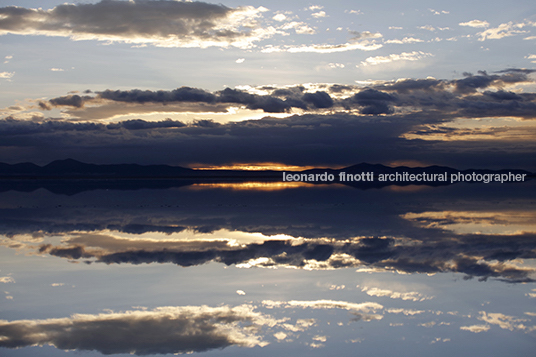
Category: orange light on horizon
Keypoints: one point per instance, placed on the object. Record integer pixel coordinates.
(257, 167)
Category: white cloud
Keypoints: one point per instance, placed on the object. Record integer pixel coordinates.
(280, 335)
(407, 312)
(395, 28)
(502, 31)
(503, 321)
(476, 328)
(475, 23)
(355, 12)
(364, 311)
(279, 17)
(337, 287)
(320, 338)
(240, 292)
(412, 295)
(57, 69)
(7, 75)
(336, 65)
(405, 40)
(404, 56)
(363, 46)
(301, 28)
(427, 27)
(319, 14)
(315, 7)
(240, 60)
(531, 57)
(6, 279)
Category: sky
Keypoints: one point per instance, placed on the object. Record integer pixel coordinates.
(298, 83)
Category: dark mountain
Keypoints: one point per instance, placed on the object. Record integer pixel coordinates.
(70, 168)
(70, 176)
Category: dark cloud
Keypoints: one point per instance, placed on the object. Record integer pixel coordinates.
(374, 102)
(335, 139)
(182, 94)
(164, 330)
(70, 100)
(318, 99)
(410, 108)
(138, 124)
(160, 22)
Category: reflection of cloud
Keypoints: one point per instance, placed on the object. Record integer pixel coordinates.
(464, 222)
(407, 312)
(411, 295)
(159, 331)
(363, 311)
(475, 255)
(475, 328)
(405, 40)
(475, 23)
(503, 321)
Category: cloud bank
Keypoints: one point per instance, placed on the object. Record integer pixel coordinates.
(161, 23)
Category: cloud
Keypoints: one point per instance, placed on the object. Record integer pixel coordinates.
(362, 311)
(7, 75)
(411, 295)
(161, 23)
(475, 23)
(411, 109)
(162, 330)
(319, 14)
(404, 56)
(483, 256)
(407, 312)
(503, 321)
(349, 46)
(476, 328)
(301, 28)
(427, 28)
(502, 31)
(279, 17)
(405, 40)
(6, 279)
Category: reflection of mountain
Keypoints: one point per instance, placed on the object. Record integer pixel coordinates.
(71, 176)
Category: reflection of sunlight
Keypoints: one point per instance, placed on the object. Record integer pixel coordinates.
(250, 186)
(471, 222)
